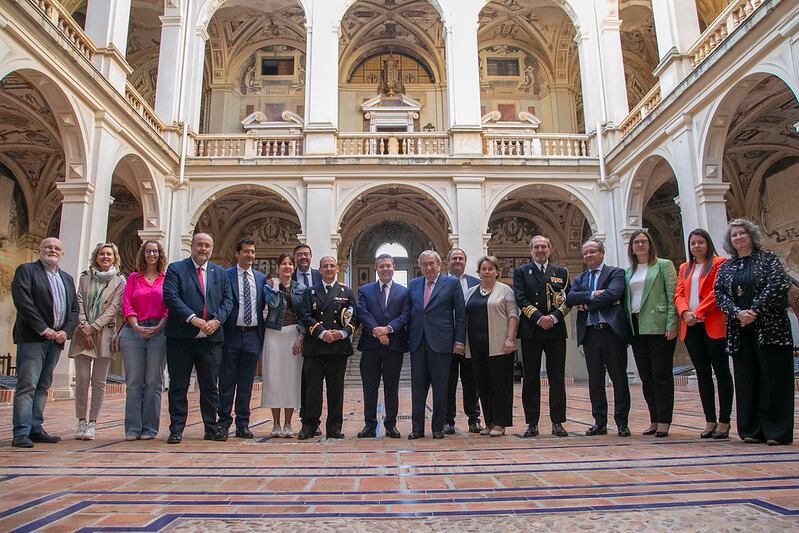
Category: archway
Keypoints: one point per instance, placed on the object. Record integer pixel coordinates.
(388, 214)
(251, 212)
(255, 67)
(529, 65)
(639, 48)
(708, 10)
(392, 51)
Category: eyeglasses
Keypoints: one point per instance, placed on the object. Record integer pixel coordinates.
(151, 252)
(303, 254)
(640, 243)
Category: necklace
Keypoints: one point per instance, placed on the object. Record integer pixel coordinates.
(485, 292)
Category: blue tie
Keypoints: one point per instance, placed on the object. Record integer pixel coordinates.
(593, 316)
(247, 299)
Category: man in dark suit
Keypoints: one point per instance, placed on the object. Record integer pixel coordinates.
(437, 330)
(244, 339)
(47, 315)
(309, 277)
(198, 295)
(540, 288)
(456, 260)
(384, 310)
(604, 331)
(330, 321)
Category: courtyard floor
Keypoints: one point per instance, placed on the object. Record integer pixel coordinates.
(465, 482)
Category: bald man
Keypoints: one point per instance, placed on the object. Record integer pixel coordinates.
(47, 315)
(198, 295)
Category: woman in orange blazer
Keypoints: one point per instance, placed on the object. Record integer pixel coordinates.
(703, 329)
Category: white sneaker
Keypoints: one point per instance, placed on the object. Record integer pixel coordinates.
(276, 431)
(91, 429)
(287, 431)
(81, 431)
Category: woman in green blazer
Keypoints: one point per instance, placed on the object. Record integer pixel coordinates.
(651, 283)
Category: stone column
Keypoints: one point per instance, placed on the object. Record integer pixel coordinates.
(463, 78)
(177, 198)
(470, 226)
(677, 28)
(320, 231)
(685, 167)
(321, 82)
(612, 62)
(712, 210)
(107, 24)
(170, 59)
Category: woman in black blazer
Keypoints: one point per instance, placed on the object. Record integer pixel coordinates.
(751, 289)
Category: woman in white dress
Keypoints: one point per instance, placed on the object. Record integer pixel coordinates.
(282, 359)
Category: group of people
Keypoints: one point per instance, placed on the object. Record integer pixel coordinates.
(194, 315)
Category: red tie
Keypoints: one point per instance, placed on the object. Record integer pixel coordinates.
(428, 288)
(202, 286)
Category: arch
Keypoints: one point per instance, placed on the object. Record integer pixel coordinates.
(437, 196)
(572, 9)
(140, 180)
(395, 249)
(207, 197)
(208, 8)
(641, 186)
(71, 127)
(713, 135)
(347, 4)
(576, 196)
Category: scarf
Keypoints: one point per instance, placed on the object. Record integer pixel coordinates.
(98, 285)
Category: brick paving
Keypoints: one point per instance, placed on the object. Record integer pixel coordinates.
(465, 482)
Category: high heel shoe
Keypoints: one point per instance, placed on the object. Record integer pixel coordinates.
(649, 432)
(721, 435)
(708, 433)
(665, 433)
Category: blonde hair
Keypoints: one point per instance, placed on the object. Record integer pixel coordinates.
(100, 246)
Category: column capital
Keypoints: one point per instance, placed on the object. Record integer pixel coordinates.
(171, 20)
(711, 192)
(612, 182)
(152, 235)
(76, 192)
(319, 182)
(468, 182)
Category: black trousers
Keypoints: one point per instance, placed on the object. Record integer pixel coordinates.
(429, 369)
(494, 375)
(654, 357)
(374, 364)
(240, 355)
(605, 351)
(181, 356)
(329, 369)
(708, 357)
(556, 374)
(764, 388)
(462, 366)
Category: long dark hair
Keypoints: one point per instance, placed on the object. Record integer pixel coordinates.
(653, 251)
(711, 252)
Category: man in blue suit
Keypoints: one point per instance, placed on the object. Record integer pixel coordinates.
(604, 331)
(456, 259)
(437, 330)
(197, 293)
(384, 310)
(244, 338)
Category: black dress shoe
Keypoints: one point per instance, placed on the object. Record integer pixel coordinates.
(317, 432)
(475, 427)
(649, 432)
(414, 435)
(706, 434)
(22, 441)
(244, 433)
(438, 434)
(392, 433)
(559, 431)
(532, 431)
(596, 430)
(215, 436)
(721, 435)
(175, 438)
(335, 435)
(449, 429)
(367, 433)
(44, 437)
(661, 434)
(624, 431)
(305, 435)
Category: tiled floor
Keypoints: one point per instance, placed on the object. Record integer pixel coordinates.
(465, 482)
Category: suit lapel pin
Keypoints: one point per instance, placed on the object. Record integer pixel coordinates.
(530, 271)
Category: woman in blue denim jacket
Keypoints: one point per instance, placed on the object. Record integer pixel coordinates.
(282, 360)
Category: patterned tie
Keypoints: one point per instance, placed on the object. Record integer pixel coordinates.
(245, 293)
(307, 281)
(593, 316)
(202, 286)
(428, 288)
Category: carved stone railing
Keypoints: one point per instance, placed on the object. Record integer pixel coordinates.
(246, 146)
(62, 20)
(549, 145)
(729, 19)
(393, 144)
(641, 110)
(143, 109)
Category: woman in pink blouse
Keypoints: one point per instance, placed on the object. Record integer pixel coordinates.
(143, 343)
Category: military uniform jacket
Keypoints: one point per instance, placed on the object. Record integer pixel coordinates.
(538, 295)
(336, 310)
